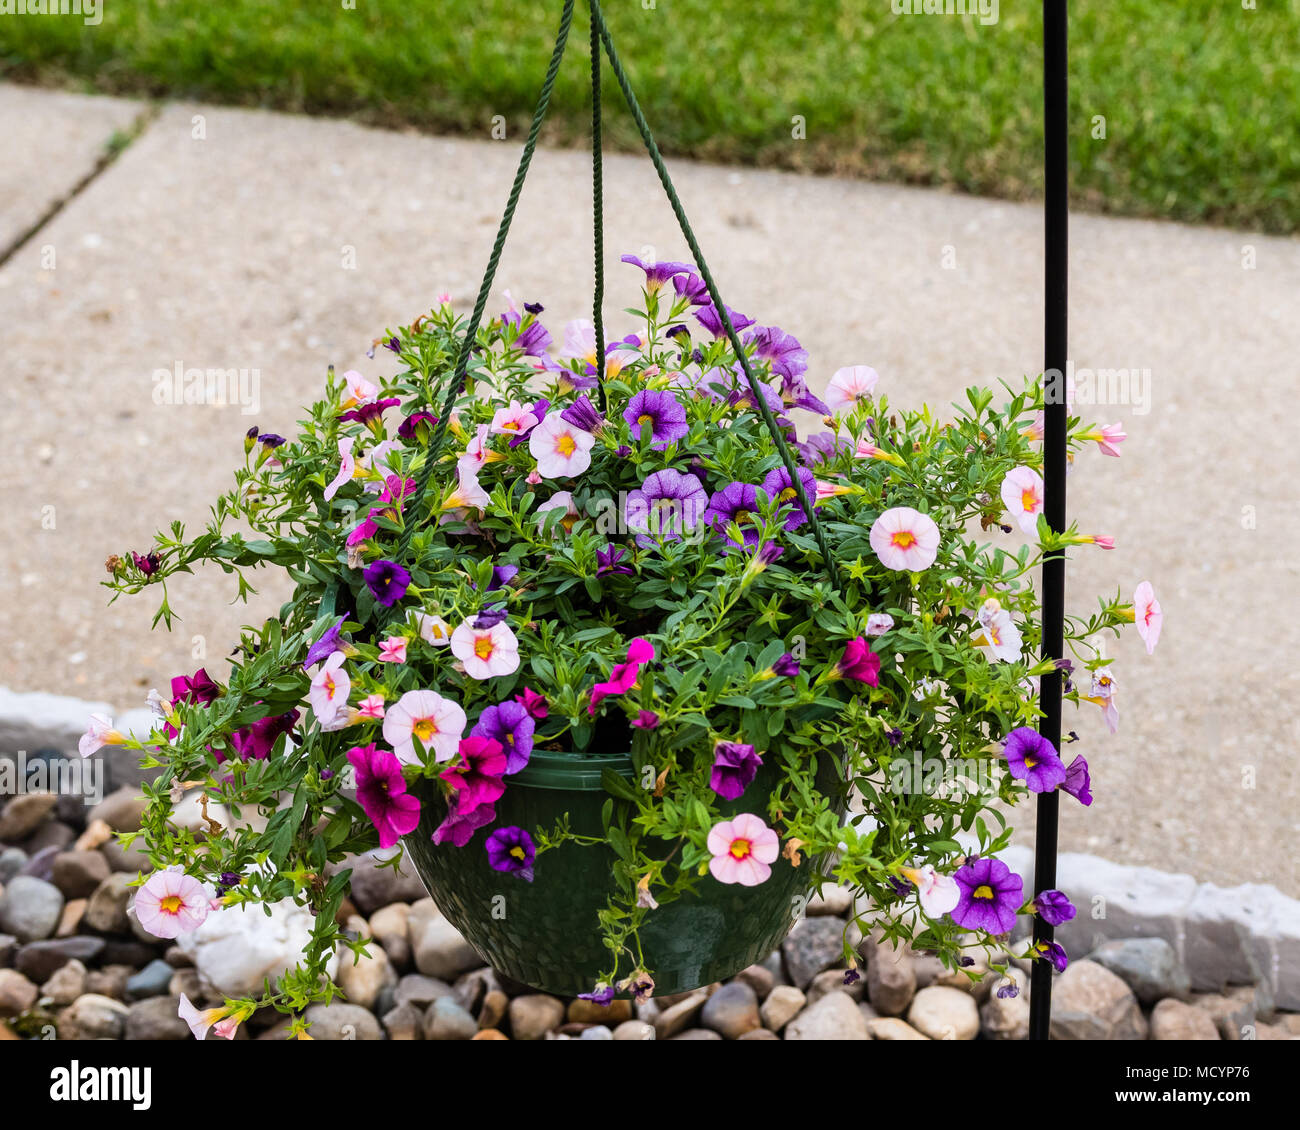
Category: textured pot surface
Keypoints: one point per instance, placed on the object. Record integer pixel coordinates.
(546, 934)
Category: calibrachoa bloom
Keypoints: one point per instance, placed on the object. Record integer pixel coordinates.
(656, 274)
(607, 560)
(511, 849)
(1147, 615)
(486, 652)
(858, 662)
(561, 450)
(372, 706)
(99, 733)
(255, 742)
(433, 629)
(1053, 952)
(347, 467)
(534, 703)
(734, 767)
(669, 504)
(742, 850)
(381, 792)
(905, 540)
(997, 634)
(1022, 495)
(938, 894)
(778, 485)
(623, 677)
(1107, 438)
(1077, 781)
(510, 724)
(513, 420)
(330, 687)
(475, 778)
(645, 720)
(388, 581)
(460, 826)
(602, 994)
(560, 500)
(202, 1020)
(878, 623)
(393, 650)
(170, 903)
(1033, 759)
(660, 410)
(848, 386)
(736, 503)
(1053, 907)
(323, 648)
(989, 896)
(1103, 694)
(436, 722)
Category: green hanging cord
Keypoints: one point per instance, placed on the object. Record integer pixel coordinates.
(598, 212)
(787, 458)
(457, 384)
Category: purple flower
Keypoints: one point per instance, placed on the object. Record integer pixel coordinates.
(820, 448)
(607, 560)
(990, 895)
(511, 849)
(1077, 781)
(1007, 990)
(270, 440)
(417, 425)
(388, 581)
(532, 339)
(502, 575)
(229, 879)
(734, 767)
(512, 727)
(326, 646)
(895, 736)
(1055, 953)
(534, 307)
(707, 316)
(1053, 907)
(786, 667)
(668, 504)
(601, 994)
(459, 827)
(787, 356)
(692, 288)
(582, 414)
(779, 486)
(661, 410)
(646, 720)
(147, 563)
(1033, 759)
(766, 553)
(368, 413)
(656, 274)
(490, 617)
(738, 503)
(852, 976)
(255, 742)
(796, 394)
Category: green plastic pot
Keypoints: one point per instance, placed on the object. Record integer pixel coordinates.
(546, 933)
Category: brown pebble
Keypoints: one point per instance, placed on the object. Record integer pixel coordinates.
(490, 1034)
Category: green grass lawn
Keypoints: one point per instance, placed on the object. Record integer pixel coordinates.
(1201, 98)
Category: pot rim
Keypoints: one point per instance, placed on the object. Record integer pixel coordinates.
(570, 771)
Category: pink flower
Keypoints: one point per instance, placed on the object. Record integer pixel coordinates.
(467, 494)
(475, 778)
(533, 703)
(486, 652)
(624, 675)
(742, 850)
(435, 721)
(560, 500)
(513, 420)
(393, 650)
(997, 633)
(330, 687)
(905, 540)
(170, 903)
(1099, 540)
(1103, 694)
(372, 706)
(1022, 495)
(1108, 438)
(1147, 615)
(477, 454)
(878, 623)
(99, 733)
(561, 449)
(200, 1021)
(347, 468)
(359, 390)
(848, 386)
(859, 662)
(937, 893)
(381, 792)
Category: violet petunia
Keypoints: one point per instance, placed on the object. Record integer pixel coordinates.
(778, 485)
(662, 412)
(656, 274)
(692, 288)
(583, 414)
(990, 895)
(783, 350)
(368, 413)
(256, 741)
(607, 560)
(325, 646)
(668, 504)
(510, 849)
(707, 316)
(1033, 759)
(734, 768)
(512, 727)
(1053, 907)
(388, 581)
(1078, 782)
(735, 503)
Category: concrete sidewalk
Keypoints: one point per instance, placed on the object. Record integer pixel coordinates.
(232, 250)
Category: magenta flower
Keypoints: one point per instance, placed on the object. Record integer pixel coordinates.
(369, 413)
(198, 688)
(418, 425)
(990, 895)
(475, 778)
(1053, 907)
(779, 486)
(668, 504)
(1033, 759)
(734, 768)
(661, 410)
(255, 742)
(738, 503)
(388, 581)
(623, 677)
(511, 849)
(511, 726)
(859, 662)
(381, 791)
(459, 827)
(645, 720)
(1078, 783)
(147, 563)
(534, 703)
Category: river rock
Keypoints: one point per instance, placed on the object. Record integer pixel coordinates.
(1233, 1017)
(590, 1012)
(66, 984)
(78, 873)
(30, 908)
(93, 1017)
(120, 810)
(389, 926)
(374, 887)
(109, 981)
(783, 1004)
(51, 834)
(17, 993)
(832, 981)
(38, 960)
(697, 1034)
(363, 979)
(437, 946)
(1090, 1003)
(156, 1019)
(493, 1009)
(834, 1017)
(1006, 1018)
(40, 865)
(760, 1034)
(106, 910)
(891, 1028)
(339, 1020)
(12, 860)
(891, 979)
(446, 1020)
(680, 1015)
(535, 1014)
(236, 947)
(634, 1030)
(1174, 1020)
(813, 945)
(944, 1013)
(151, 981)
(404, 1022)
(421, 991)
(24, 814)
(731, 1011)
(1148, 966)
(759, 978)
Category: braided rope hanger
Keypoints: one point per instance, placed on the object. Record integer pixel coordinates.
(600, 35)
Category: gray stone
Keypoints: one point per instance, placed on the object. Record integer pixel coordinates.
(1148, 966)
(437, 946)
(891, 1028)
(93, 1017)
(813, 945)
(40, 865)
(1006, 1018)
(24, 814)
(341, 1021)
(596, 1032)
(12, 860)
(1090, 1003)
(634, 1030)
(404, 1022)
(422, 991)
(891, 979)
(535, 1014)
(834, 1017)
(17, 993)
(8, 950)
(106, 910)
(390, 928)
(78, 873)
(759, 978)
(697, 1034)
(832, 981)
(53, 833)
(782, 1005)
(446, 1020)
(39, 960)
(151, 981)
(30, 908)
(1173, 1020)
(156, 1019)
(129, 860)
(66, 984)
(363, 979)
(944, 1013)
(120, 810)
(731, 1011)
(110, 981)
(679, 1015)
(374, 887)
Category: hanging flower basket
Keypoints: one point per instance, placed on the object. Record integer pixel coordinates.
(588, 631)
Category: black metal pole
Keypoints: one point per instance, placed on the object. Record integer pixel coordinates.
(1056, 213)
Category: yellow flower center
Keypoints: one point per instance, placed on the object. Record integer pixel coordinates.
(517, 852)
(483, 647)
(566, 445)
(983, 892)
(903, 539)
(741, 849)
(642, 420)
(788, 494)
(1029, 499)
(424, 729)
(171, 904)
